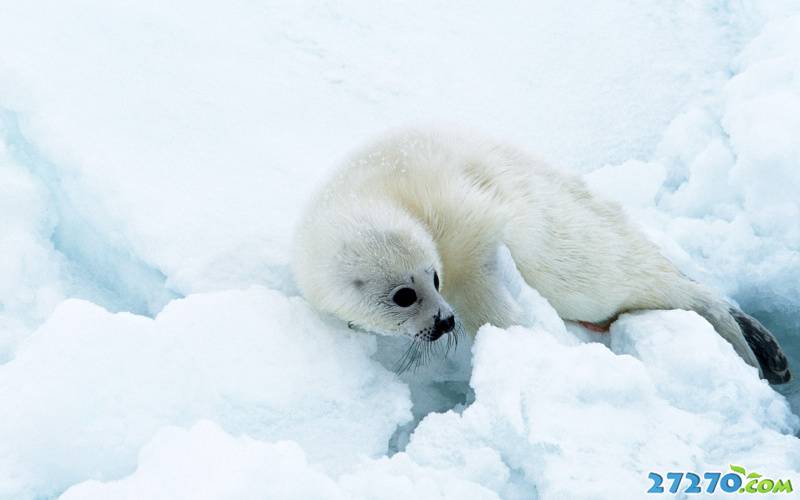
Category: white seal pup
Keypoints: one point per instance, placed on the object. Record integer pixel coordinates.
(405, 235)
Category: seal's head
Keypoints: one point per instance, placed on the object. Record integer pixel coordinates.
(380, 272)
(389, 282)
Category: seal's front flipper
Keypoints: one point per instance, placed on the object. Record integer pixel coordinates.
(770, 356)
(596, 327)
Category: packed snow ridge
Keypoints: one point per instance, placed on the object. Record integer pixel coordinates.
(154, 159)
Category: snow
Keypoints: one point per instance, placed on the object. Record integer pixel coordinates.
(154, 158)
(571, 418)
(255, 361)
(237, 468)
(246, 468)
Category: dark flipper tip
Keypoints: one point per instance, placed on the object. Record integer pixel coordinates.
(774, 366)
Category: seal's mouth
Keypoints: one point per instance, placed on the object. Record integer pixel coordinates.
(424, 347)
(433, 337)
(439, 328)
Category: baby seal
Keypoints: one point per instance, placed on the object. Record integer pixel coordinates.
(403, 240)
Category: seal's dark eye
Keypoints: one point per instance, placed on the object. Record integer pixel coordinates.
(405, 297)
(435, 280)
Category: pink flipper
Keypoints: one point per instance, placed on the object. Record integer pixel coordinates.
(595, 327)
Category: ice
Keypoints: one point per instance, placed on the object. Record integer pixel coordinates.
(234, 468)
(242, 467)
(668, 396)
(154, 158)
(576, 421)
(94, 264)
(89, 388)
(30, 280)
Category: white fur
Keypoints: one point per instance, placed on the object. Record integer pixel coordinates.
(417, 200)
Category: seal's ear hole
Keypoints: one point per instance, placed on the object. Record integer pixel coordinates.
(405, 297)
(358, 283)
(436, 280)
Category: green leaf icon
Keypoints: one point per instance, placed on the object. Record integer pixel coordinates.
(740, 470)
(753, 475)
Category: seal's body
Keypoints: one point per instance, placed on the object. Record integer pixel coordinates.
(408, 230)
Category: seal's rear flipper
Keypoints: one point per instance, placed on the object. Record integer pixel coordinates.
(773, 362)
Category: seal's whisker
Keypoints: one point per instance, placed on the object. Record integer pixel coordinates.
(423, 358)
(459, 331)
(408, 359)
(450, 343)
(422, 351)
(417, 355)
(414, 361)
(420, 354)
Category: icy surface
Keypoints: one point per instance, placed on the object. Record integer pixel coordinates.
(89, 388)
(574, 421)
(153, 160)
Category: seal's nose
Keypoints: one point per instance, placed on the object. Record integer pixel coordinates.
(442, 326)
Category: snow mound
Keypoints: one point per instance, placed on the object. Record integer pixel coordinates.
(89, 388)
(550, 418)
(204, 462)
(584, 422)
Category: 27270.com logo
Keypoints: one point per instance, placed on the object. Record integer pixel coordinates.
(736, 481)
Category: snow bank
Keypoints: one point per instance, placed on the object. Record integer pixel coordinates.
(207, 463)
(89, 388)
(550, 418)
(292, 405)
(584, 422)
